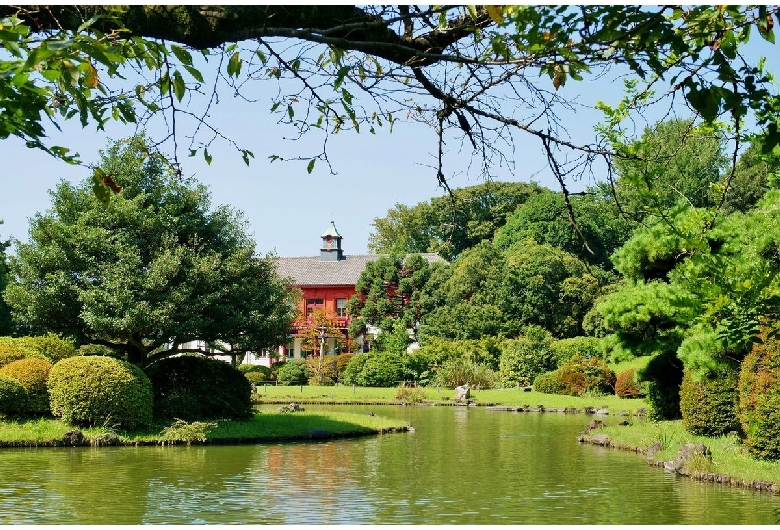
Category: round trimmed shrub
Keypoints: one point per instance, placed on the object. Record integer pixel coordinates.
(626, 385)
(376, 370)
(50, 346)
(549, 383)
(256, 378)
(194, 387)
(11, 351)
(709, 406)
(12, 396)
(759, 399)
(100, 390)
(32, 373)
(293, 372)
(564, 349)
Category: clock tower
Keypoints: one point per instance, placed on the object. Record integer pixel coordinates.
(331, 245)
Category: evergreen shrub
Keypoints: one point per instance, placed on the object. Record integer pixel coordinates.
(460, 370)
(564, 349)
(375, 370)
(626, 385)
(51, 347)
(354, 368)
(99, 349)
(759, 399)
(549, 383)
(293, 372)
(12, 396)
(100, 390)
(663, 375)
(256, 378)
(709, 406)
(194, 387)
(32, 373)
(11, 350)
(525, 358)
(579, 376)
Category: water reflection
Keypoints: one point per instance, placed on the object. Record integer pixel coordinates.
(460, 466)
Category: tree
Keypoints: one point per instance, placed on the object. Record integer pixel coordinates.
(451, 224)
(479, 76)
(6, 324)
(152, 270)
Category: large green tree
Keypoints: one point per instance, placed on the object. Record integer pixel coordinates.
(482, 77)
(154, 269)
(6, 324)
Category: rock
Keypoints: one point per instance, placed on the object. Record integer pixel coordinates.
(292, 407)
(73, 438)
(653, 449)
(462, 393)
(602, 412)
(107, 438)
(595, 424)
(600, 439)
(686, 453)
(623, 423)
(641, 411)
(589, 410)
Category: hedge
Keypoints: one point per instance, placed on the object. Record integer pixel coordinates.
(32, 373)
(709, 405)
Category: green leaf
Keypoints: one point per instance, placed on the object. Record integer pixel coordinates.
(310, 167)
(179, 88)
(194, 73)
(182, 54)
(234, 65)
(207, 156)
(246, 155)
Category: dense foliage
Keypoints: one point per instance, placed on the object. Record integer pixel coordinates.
(577, 377)
(709, 406)
(524, 358)
(100, 391)
(375, 369)
(193, 387)
(50, 347)
(626, 384)
(663, 376)
(33, 374)
(759, 399)
(153, 269)
(293, 372)
(12, 396)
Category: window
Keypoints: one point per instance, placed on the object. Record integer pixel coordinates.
(312, 304)
(341, 307)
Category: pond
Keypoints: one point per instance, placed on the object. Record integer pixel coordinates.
(459, 466)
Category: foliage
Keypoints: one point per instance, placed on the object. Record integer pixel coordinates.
(342, 360)
(458, 371)
(452, 224)
(524, 358)
(256, 378)
(755, 173)
(12, 396)
(100, 391)
(375, 370)
(182, 431)
(759, 398)
(564, 349)
(50, 347)
(409, 394)
(322, 370)
(152, 268)
(577, 377)
(99, 349)
(6, 324)
(709, 406)
(193, 387)
(626, 385)
(663, 375)
(293, 372)
(33, 374)
(11, 351)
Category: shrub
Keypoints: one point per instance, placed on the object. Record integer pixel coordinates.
(32, 374)
(663, 375)
(577, 377)
(525, 358)
(342, 360)
(709, 406)
(626, 385)
(293, 372)
(193, 387)
(50, 346)
(324, 374)
(12, 396)
(11, 351)
(354, 368)
(549, 383)
(256, 378)
(100, 390)
(99, 349)
(564, 349)
(759, 399)
(409, 394)
(459, 371)
(377, 370)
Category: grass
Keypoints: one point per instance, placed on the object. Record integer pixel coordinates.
(508, 396)
(265, 427)
(728, 456)
(637, 364)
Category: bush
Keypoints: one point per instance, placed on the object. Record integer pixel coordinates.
(32, 374)
(100, 390)
(293, 372)
(523, 359)
(256, 378)
(409, 394)
(549, 383)
(99, 349)
(663, 375)
(577, 377)
(709, 406)
(354, 368)
(322, 375)
(626, 385)
(342, 360)
(11, 351)
(564, 349)
(459, 371)
(759, 399)
(50, 347)
(12, 396)
(375, 370)
(193, 387)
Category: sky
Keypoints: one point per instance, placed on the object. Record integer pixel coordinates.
(287, 209)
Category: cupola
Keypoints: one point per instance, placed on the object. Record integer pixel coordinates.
(331, 245)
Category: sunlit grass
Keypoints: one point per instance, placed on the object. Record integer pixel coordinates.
(508, 396)
(637, 364)
(728, 456)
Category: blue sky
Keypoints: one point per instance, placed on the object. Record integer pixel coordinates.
(287, 209)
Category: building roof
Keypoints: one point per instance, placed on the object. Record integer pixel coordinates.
(311, 270)
(331, 231)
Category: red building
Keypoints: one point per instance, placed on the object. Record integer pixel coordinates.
(327, 281)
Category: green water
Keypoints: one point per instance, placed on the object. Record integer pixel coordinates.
(459, 466)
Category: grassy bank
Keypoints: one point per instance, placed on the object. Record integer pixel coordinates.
(728, 458)
(508, 396)
(263, 427)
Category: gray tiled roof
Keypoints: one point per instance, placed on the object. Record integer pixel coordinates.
(311, 270)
